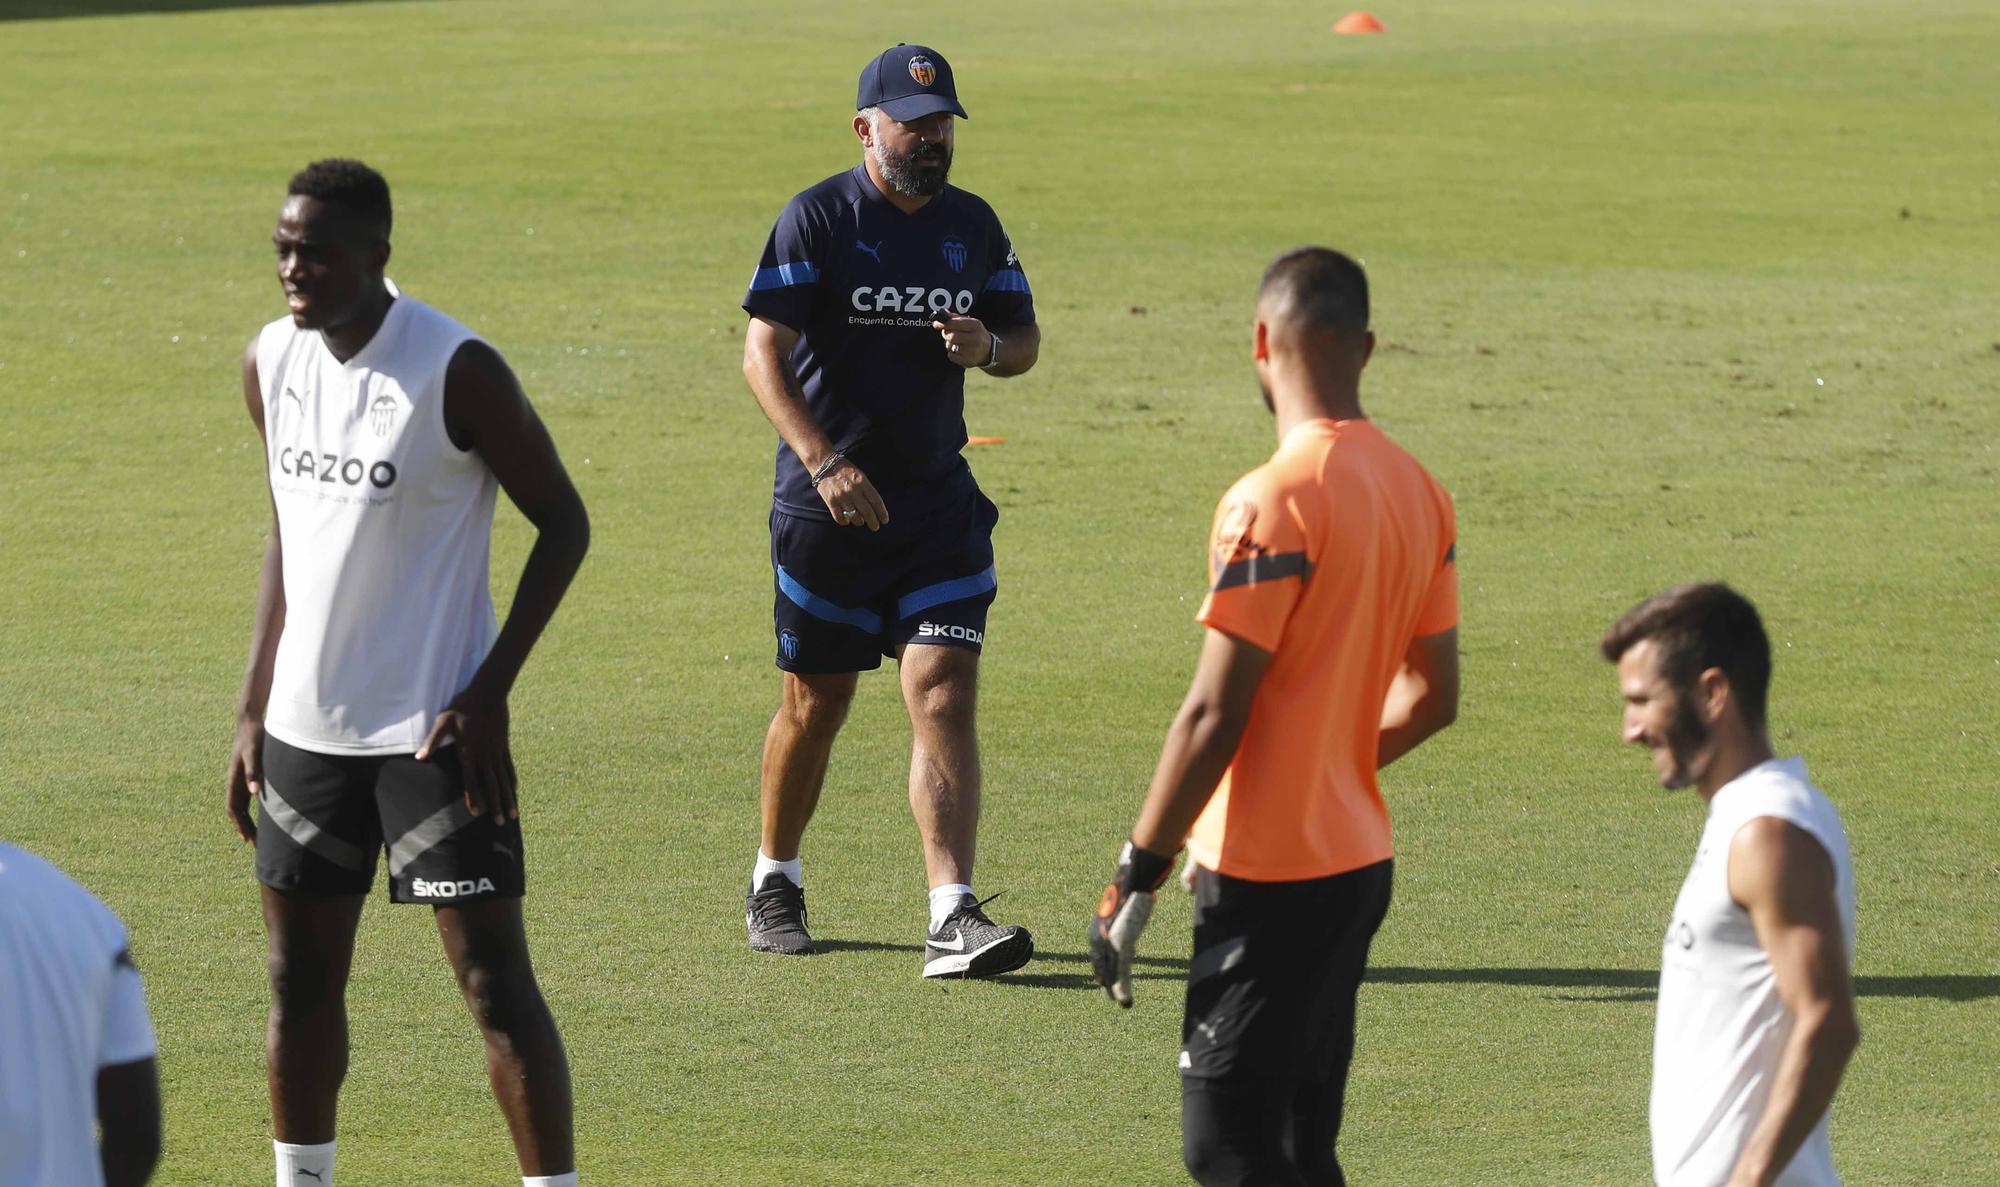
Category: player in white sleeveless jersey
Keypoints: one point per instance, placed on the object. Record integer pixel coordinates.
(79, 1087)
(1756, 1015)
(374, 709)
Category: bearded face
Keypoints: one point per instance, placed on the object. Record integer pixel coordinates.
(919, 172)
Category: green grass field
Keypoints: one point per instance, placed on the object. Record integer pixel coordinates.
(1693, 290)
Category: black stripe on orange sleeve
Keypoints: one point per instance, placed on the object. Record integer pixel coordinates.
(1257, 569)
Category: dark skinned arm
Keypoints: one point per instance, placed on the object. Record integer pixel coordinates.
(1201, 742)
(128, 1121)
(1424, 698)
(1785, 880)
(485, 409)
(244, 780)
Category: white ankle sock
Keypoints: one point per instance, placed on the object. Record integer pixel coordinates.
(568, 1180)
(765, 867)
(944, 900)
(301, 1165)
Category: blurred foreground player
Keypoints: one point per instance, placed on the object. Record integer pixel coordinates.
(1756, 1015)
(1331, 651)
(374, 708)
(79, 1089)
(879, 288)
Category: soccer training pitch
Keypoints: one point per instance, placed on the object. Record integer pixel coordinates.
(1663, 292)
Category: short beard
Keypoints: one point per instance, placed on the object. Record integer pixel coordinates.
(904, 176)
(1687, 736)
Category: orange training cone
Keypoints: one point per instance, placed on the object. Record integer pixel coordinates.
(1358, 22)
(985, 440)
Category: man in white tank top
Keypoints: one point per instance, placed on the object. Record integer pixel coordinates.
(1756, 1015)
(374, 708)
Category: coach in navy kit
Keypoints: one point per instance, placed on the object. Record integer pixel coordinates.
(879, 289)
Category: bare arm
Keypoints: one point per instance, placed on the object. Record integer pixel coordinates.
(128, 1119)
(1424, 698)
(485, 409)
(1202, 740)
(1785, 880)
(245, 778)
(767, 366)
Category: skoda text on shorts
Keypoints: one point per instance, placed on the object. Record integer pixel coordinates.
(878, 290)
(1331, 650)
(374, 709)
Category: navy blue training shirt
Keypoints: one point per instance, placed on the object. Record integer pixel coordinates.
(862, 281)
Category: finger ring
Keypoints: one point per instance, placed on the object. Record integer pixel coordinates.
(953, 348)
(850, 513)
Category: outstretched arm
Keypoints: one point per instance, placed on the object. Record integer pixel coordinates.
(1783, 877)
(485, 409)
(244, 780)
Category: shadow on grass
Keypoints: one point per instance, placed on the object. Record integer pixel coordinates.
(1165, 968)
(1643, 984)
(52, 10)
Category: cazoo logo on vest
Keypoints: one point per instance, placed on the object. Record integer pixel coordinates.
(913, 299)
(331, 467)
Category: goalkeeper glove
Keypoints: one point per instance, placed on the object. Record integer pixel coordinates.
(1121, 915)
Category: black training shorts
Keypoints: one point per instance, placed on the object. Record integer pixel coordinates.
(322, 818)
(1271, 986)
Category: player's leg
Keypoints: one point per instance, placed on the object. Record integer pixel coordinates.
(941, 692)
(938, 609)
(824, 579)
(1233, 1132)
(317, 838)
(797, 748)
(1356, 903)
(1250, 1005)
(310, 951)
(525, 1060)
(474, 872)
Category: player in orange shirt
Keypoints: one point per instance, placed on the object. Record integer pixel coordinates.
(1331, 651)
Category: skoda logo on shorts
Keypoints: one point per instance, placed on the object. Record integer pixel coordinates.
(788, 645)
(954, 254)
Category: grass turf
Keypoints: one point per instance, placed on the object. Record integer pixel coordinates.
(1694, 290)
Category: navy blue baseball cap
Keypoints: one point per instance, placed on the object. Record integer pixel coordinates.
(908, 82)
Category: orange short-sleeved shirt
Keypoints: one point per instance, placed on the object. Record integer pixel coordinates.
(1332, 556)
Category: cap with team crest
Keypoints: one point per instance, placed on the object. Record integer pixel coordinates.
(908, 82)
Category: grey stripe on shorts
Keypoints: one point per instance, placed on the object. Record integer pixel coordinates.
(426, 835)
(309, 836)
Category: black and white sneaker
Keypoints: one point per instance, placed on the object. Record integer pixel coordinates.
(968, 944)
(776, 915)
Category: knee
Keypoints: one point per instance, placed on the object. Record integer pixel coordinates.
(502, 1000)
(944, 703)
(816, 707)
(301, 983)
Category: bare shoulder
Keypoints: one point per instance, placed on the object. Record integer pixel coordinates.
(1775, 862)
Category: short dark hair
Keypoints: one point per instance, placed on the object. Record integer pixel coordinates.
(1319, 286)
(350, 185)
(1698, 627)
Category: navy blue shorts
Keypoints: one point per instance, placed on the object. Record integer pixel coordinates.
(846, 597)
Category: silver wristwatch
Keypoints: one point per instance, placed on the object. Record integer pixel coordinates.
(992, 360)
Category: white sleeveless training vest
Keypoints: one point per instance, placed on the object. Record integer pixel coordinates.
(1722, 1026)
(386, 527)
